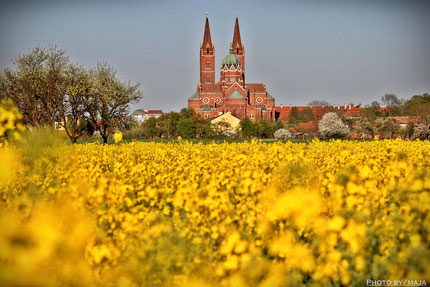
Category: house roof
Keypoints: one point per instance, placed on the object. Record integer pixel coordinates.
(138, 112)
(235, 95)
(256, 87)
(406, 120)
(154, 112)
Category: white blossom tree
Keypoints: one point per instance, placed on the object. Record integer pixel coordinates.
(331, 126)
(282, 134)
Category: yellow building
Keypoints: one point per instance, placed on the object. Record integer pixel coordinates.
(226, 121)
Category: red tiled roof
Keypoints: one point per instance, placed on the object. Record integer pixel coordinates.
(284, 112)
(308, 127)
(255, 87)
(154, 112)
(212, 88)
(406, 120)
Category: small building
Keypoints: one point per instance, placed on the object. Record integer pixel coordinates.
(141, 115)
(404, 121)
(227, 118)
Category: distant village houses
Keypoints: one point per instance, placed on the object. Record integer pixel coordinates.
(141, 115)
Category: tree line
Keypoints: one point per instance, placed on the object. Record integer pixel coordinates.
(188, 124)
(48, 89)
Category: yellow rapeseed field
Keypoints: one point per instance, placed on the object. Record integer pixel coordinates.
(243, 214)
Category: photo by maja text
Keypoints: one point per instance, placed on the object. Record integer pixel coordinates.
(370, 282)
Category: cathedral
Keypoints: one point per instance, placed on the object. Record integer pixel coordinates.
(231, 93)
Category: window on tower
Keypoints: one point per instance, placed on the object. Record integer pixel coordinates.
(208, 65)
(208, 79)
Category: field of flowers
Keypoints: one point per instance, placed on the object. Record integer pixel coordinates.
(240, 214)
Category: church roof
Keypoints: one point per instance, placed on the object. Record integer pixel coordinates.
(207, 36)
(269, 96)
(194, 96)
(212, 88)
(231, 59)
(236, 35)
(256, 87)
(235, 95)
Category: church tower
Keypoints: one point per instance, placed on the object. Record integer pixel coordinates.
(238, 48)
(207, 57)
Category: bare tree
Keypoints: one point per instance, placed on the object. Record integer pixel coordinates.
(391, 100)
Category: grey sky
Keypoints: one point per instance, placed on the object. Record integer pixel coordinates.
(339, 51)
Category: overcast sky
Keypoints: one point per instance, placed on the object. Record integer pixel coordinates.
(341, 51)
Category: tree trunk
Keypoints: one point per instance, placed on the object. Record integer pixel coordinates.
(105, 138)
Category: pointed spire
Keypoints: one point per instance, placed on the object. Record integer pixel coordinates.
(207, 36)
(236, 35)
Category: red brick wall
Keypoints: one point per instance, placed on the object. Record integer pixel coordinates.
(207, 72)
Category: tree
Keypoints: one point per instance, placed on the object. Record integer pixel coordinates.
(72, 108)
(37, 86)
(386, 126)
(282, 134)
(391, 100)
(306, 115)
(293, 117)
(318, 103)
(375, 104)
(264, 129)
(419, 106)
(167, 123)
(247, 127)
(108, 99)
(222, 128)
(423, 113)
(151, 129)
(364, 126)
(422, 131)
(331, 126)
(187, 128)
(393, 103)
(408, 131)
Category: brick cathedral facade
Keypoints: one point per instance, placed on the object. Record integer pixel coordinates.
(231, 93)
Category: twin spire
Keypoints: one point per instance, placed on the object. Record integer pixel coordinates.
(207, 36)
(236, 36)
